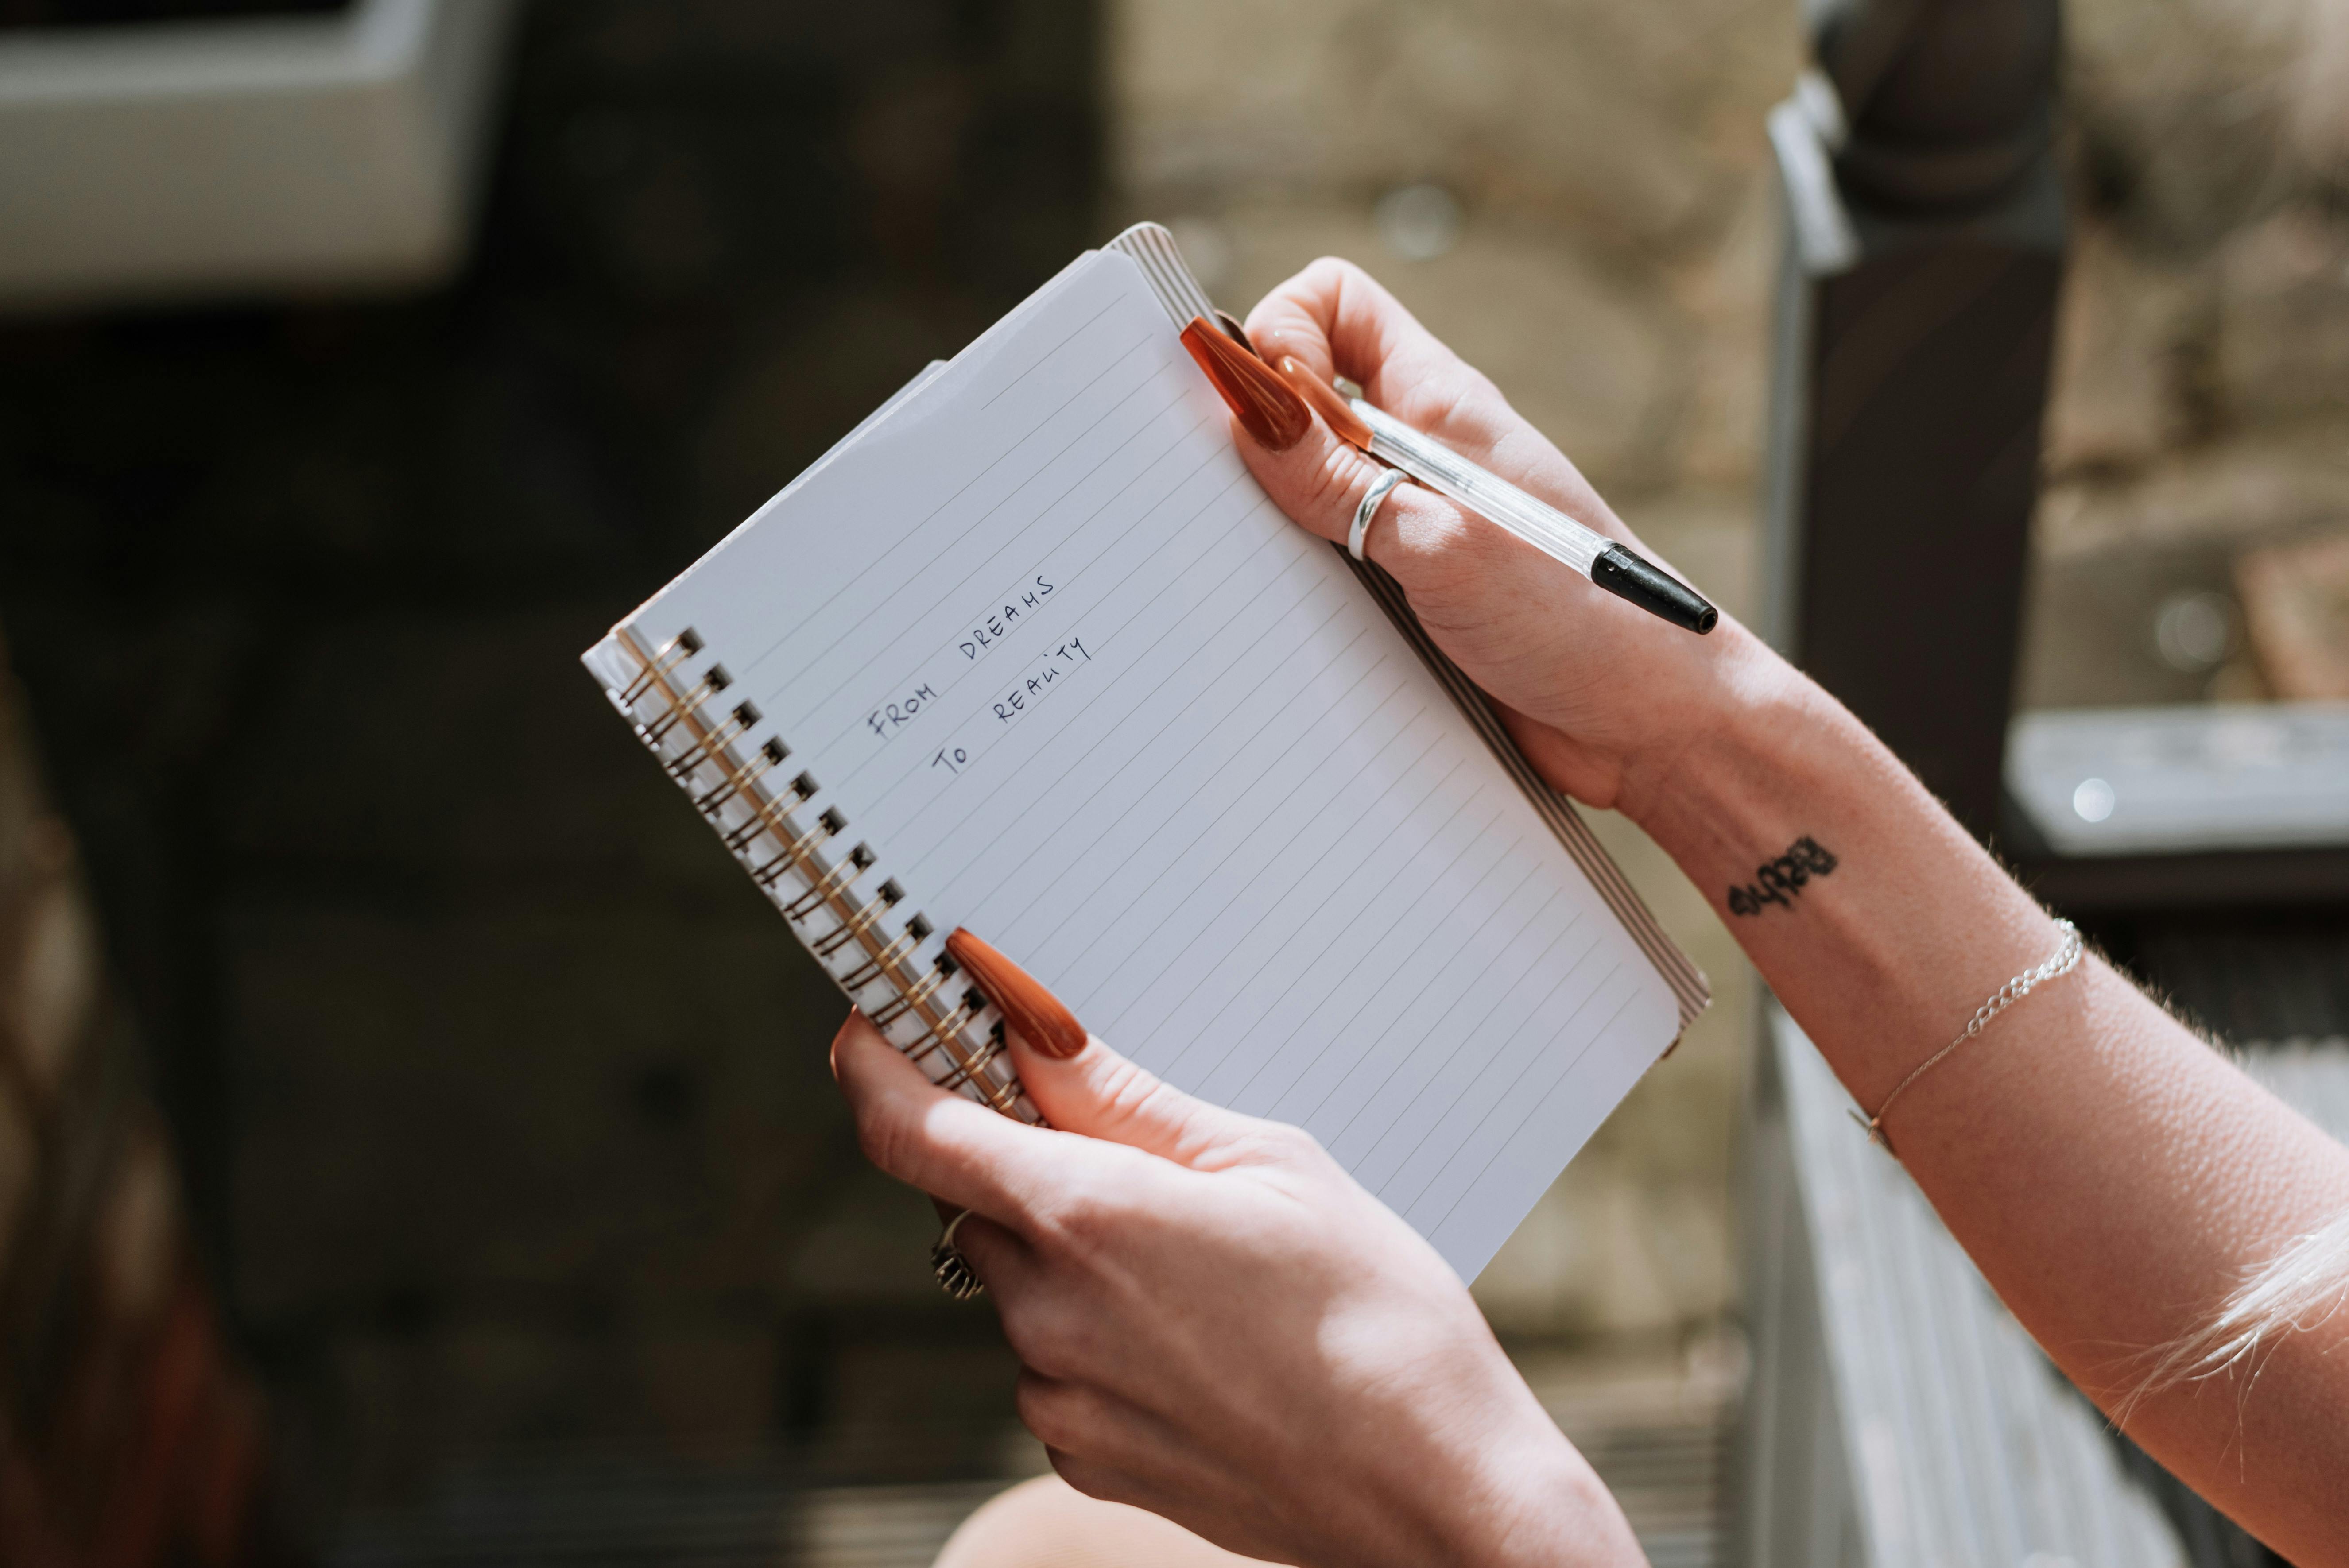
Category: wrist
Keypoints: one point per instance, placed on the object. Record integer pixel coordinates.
(1566, 1517)
(1728, 748)
(1541, 1506)
(1834, 869)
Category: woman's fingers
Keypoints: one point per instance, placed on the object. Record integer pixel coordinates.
(1446, 557)
(1336, 318)
(1103, 1446)
(968, 1156)
(954, 1149)
(1005, 1264)
(1566, 763)
(1037, 1016)
(1319, 481)
(1100, 1094)
(1080, 1084)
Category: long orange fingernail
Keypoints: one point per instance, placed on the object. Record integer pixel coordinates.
(1268, 410)
(1040, 1016)
(1343, 422)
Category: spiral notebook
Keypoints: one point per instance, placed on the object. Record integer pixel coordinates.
(1029, 651)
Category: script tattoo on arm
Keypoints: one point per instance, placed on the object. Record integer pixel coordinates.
(1782, 881)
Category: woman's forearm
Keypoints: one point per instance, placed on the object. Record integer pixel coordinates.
(2110, 1173)
(2113, 1177)
(1913, 912)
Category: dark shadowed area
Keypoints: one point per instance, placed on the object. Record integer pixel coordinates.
(501, 1092)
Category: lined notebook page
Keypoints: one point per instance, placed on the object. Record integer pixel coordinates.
(1042, 639)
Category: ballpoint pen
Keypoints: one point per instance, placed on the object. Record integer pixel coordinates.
(1226, 355)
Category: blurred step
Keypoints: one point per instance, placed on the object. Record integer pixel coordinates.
(616, 1510)
(1657, 1427)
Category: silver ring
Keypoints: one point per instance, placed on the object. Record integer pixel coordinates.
(955, 1274)
(1388, 479)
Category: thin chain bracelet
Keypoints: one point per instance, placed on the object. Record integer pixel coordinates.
(2065, 959)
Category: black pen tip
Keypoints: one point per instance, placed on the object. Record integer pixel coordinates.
(1628, 576)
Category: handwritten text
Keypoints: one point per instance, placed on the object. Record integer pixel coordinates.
(1041, 679)
(890, 716)
(996, 624)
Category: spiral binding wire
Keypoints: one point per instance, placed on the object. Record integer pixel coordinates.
(710, 743)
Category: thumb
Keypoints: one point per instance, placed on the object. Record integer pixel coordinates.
(1100, 1094)
(1084, 1086)
(1320, 479)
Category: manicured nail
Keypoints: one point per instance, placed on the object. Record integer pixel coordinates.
(1268, 410)
(1038, 1015)
(1343, 422)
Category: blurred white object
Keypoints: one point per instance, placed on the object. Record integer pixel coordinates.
(2093, 800)
(1419, 222)
(2194, 632)
(2172, 780)
(246, 155)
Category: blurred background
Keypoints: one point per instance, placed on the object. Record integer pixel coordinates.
(415, 1138)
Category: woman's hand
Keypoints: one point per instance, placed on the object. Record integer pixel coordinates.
(1216, 1323)
(2113, 1178)
(1603, 694)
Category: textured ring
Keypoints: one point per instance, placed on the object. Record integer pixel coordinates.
(955, 1274)
(1388, 479)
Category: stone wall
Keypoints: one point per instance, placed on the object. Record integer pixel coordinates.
(1610, 269)
(2196, 446)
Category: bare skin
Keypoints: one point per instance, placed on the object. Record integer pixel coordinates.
(1220, 1327)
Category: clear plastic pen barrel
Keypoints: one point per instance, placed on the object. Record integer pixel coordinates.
(1441, 468)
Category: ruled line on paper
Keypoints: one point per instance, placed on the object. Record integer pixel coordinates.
(1119, 627)
(1501, 1146)
(1175, 1006)
(1496, 952)
(1362, 951)
(1068, 766)
(1399, 1160)
(1344, 881)
(1365, 953)
(935, 553)
(918, 530)
(1531, 1041)
(1343, 1033)
(935, 652)
(1110, 595)
(1468, 1029)
(958, 587)
(1279, 710)
(1431, 921)
(1417, 1073)
(1378, 997)
(1068, 727)
(1144, 802)
(1176, 903)
(1047, 356)
(1321, 883)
